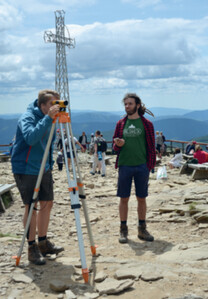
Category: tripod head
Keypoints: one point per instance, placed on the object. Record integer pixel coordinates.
(61, 103)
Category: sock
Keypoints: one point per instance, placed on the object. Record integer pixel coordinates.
(31, 242)
(41, 238)
(142, 222)
(123, 222)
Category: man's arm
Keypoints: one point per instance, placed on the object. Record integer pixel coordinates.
(33, 132)
(117, 142)
(77, 142)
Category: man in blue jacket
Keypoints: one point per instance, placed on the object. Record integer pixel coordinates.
(32, 134)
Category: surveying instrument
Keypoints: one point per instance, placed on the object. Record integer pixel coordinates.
(75, 185)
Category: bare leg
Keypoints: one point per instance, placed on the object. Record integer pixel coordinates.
(123, 208)
(32, 227)
(142, 208)
(69, 161)
(44, 217)
(170, 165)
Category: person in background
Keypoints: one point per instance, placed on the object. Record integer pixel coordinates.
(190, 148)
(68, 149)
(134, 142)
(99, 155)
(175, 162)
(83, 141)
(32, 134)
(200, 155)
(164, 146)
(159, 143)
(59, 161)
(92, 143)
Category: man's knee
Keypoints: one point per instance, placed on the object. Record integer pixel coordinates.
(124, 200)
(27, 209)
(141, 199)
(46, 204)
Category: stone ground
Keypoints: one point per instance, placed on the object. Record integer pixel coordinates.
(175, 265)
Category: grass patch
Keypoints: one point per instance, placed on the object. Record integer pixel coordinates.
(2, 235)
(192, 206)
(7, 200)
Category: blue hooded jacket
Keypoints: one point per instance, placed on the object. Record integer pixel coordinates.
(32, 134)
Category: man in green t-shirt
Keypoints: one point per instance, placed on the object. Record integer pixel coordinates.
(134, 140)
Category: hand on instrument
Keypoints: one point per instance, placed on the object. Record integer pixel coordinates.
(53, 110)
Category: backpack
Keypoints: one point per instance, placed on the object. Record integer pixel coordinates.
(101, 145)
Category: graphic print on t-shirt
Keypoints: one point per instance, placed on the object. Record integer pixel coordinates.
(133, 152)
(132, 131)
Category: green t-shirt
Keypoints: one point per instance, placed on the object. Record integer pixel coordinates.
(133, 152)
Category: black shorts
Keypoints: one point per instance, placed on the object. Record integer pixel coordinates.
(140, 174)
(69, 156)
(26, 184)
(158, 147)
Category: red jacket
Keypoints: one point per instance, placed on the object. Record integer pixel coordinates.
(200, 156)
(150, 140)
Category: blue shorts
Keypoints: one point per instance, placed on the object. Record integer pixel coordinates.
(141, 177)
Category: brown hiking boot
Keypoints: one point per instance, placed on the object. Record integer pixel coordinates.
(35, 256)
(143, 234)
(123, 234)
(46, 247)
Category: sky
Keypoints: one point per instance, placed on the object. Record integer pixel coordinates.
(155, 48)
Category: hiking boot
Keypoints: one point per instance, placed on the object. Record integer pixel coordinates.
(46, 247)
(91, 172)
(34, 255)
(143, 234)
(123, 234)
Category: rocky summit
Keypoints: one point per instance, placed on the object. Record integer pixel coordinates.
(174, 266)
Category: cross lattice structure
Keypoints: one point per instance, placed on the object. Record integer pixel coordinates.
(61, 78)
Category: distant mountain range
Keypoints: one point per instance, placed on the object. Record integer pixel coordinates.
(178, 124)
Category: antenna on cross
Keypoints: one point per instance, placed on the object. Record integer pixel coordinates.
(61, 79)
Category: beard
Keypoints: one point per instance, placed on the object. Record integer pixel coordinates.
(133, 111)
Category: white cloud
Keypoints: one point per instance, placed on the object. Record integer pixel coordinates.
(9, 16)
(133, 45)
(109, 57)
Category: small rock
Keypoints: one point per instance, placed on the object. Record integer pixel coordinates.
(58, 285)
(21, 277)
(100, 277)
(113, 286)
(70, 295)
(91, 295)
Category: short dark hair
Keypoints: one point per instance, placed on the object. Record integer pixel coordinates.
(98, 132)
(45, 95)
(177, 150)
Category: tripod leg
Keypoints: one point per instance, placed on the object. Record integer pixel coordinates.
(83, 197)
(87, 220)
(75, 204)
(35, 194)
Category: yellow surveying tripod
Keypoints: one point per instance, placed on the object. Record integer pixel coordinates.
(75, 186)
